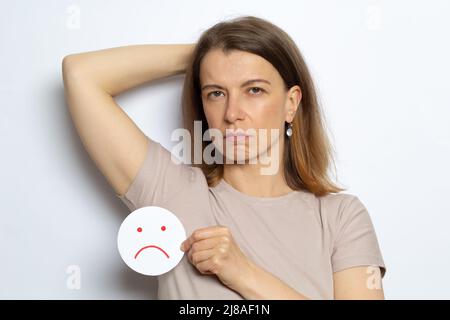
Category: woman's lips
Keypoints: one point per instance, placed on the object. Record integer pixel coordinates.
(237, 137)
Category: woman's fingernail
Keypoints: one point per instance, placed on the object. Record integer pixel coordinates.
(182, 246)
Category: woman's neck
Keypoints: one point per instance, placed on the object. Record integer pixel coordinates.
(248, 179)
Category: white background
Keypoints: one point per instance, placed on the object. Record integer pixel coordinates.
(382, 73)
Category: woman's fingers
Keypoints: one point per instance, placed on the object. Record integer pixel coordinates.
(199, 256)
(204, 233)
(205, 267)
(205, 244)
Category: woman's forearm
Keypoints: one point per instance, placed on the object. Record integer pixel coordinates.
(262, 285)
(118, 69)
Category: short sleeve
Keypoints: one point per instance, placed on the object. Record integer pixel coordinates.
(355, 242)
(158, 179)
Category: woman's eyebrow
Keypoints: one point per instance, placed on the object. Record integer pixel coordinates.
(242, 85)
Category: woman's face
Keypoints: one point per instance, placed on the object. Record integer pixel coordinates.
(230, 101)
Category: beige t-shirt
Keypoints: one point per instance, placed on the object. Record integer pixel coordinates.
(300, 238)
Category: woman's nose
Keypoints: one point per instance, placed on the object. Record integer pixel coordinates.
(233, 110)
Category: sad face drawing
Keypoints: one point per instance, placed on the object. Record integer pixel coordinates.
(149, 240)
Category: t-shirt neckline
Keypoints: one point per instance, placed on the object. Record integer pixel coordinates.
(225, 185)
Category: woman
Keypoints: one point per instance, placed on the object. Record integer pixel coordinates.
(288, 234)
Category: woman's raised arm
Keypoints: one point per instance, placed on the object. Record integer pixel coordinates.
(91, 80)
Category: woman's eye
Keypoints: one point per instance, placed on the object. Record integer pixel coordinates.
(259, 90)
(213, 93)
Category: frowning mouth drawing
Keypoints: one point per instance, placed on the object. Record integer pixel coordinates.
(148, 247)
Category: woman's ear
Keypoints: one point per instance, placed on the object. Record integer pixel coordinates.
(294, 97)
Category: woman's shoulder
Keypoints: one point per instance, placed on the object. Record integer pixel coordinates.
(162, 177)
(333, 206)
(341, 209)
(329, 200)
(337, 199)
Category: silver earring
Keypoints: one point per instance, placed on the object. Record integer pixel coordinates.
(289, 130)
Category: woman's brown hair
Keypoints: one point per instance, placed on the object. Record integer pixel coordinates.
(308, 152)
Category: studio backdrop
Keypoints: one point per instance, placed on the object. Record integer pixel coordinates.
(381, 71)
